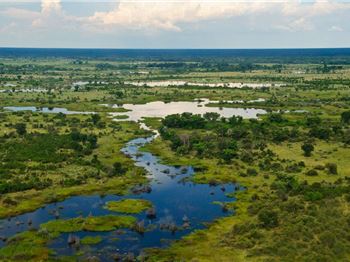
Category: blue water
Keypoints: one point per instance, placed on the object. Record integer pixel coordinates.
(53, 110)
(172, 196)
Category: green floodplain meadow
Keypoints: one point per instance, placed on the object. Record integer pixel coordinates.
(292, 162)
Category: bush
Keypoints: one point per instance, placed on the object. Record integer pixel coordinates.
(268, 218)
(307, 148)
(345, 117)
(332, 168)
(312, 172)
(252, 172)
(21, 129)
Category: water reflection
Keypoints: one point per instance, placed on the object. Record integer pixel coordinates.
(173, 198)
(53, 110)
(161, 109)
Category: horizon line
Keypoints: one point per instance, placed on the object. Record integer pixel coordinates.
(181, 48)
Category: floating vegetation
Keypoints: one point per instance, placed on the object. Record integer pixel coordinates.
(100, 223)
(90, 240)
(129, 206)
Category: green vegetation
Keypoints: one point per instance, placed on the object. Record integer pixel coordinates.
(293, 162)
(26, 246)
(130, 206)
(290, 193)
(100, 223)
(31, 245)
(53, 160)
(89, 240)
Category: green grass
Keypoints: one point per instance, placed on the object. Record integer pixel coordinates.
(94, 224)
(129, 206)
(26, 246)
(90, 240)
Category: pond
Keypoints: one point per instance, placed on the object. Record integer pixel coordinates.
(27, 90)
(161, 109)
(167, 83)
(53, 110)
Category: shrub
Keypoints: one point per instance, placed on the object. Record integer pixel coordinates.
(21, 129)
(307, 148)
(251, 172)
(312, 172)
(345, 117)
(332, 168)
(268, 218)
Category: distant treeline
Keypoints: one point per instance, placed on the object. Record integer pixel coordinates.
(330, 55)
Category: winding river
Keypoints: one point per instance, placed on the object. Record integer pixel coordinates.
(173, 195)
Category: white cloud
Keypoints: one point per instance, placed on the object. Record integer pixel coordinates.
(21, 14)
(335, 28)
(49, 6)
(171, 15)
(168, 15)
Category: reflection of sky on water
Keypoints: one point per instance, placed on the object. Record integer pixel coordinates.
(161, 109)
(53, 110)
(171, 196)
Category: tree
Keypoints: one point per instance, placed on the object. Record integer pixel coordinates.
(95, 118)
(332, 168)
(307, 148)
(228, 154)
(276, 118)
(313, 121)
(268, 218)
(118, 169)
(21, 129)
(320, 132)
(345, 117)
(312, 172)
(211, 116)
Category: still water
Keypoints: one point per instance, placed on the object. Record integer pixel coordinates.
(167, 83)
(161, 109)
(53, 110)
(172, 194)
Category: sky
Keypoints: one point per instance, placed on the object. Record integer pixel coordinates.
(175, 23)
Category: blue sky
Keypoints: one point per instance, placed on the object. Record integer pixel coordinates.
(174, 23)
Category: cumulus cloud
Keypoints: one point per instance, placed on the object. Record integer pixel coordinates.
(49, 6)
(169, 15)
(172, 15)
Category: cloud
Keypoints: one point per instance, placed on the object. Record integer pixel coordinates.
(299, 24)
(335, 28)
(20, 14)
(50, 6)
(171, 14)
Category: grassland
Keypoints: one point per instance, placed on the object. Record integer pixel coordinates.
(285, 212)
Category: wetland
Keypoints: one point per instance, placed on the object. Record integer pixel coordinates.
(202, 159)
